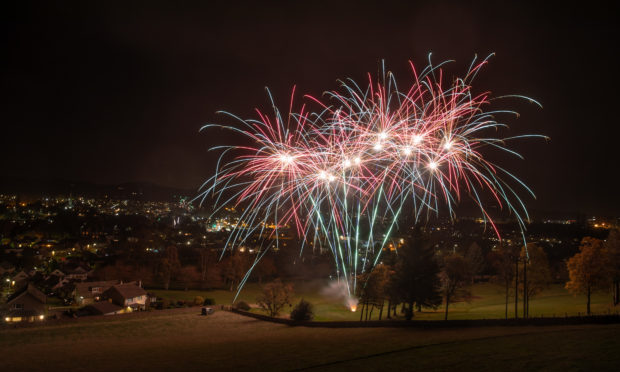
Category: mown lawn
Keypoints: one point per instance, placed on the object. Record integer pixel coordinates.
(180, 339)
(487, 302)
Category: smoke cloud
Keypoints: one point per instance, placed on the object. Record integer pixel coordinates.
(337, 290)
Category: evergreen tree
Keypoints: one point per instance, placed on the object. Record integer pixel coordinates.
(416, 277)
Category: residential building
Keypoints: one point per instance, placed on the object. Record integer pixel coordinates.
(86, 293)
(129, 295)
(26, 305)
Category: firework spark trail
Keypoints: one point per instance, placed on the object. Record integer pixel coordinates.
(343, 174)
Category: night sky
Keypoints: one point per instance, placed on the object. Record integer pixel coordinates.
(108, 92)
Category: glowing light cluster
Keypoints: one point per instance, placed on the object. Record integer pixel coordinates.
(345, 172)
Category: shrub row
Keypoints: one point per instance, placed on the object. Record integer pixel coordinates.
(166, 303)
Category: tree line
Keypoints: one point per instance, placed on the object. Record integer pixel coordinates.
(421, 276)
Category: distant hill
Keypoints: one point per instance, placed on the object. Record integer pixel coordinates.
(130, 190)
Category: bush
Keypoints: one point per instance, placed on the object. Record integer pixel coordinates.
(303, 311)
(242, 305)
(198, 300)
(165, 303)
(209, 301)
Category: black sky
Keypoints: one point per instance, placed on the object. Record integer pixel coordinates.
(109, 92)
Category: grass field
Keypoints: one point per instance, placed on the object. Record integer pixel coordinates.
(180, 339)
(487, 302)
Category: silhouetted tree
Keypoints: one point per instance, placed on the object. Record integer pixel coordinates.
(538, 273)
(612, 245)
(275, 296)
(475, 258)
(188, 276)
(372, 290)
(455, 276)
(207, 262)
(169, 265)
(265, 268)
(416, 275)
(235, 268)
(505, 269)
(588, 270)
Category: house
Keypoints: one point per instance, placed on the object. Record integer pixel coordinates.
(26, 305)
(20, 276)
(80, 272)
(20, 279)
(88, 292)
(52, 283)
(129, 295)
(104, 308)
(58, 273)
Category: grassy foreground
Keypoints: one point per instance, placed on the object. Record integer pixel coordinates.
(180, 339)
(487, 302)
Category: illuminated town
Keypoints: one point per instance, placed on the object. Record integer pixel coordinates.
(58, 242)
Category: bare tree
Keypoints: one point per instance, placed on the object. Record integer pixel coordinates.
(537, 274)
(476, 260)
(235, 268)
(455, 276)
(612, 245)
(207, 261)
(372, 290)
(169, 265)
(275, 296)
(505, 268)
(265, 268)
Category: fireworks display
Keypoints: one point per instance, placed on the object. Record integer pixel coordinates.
(342, 169)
